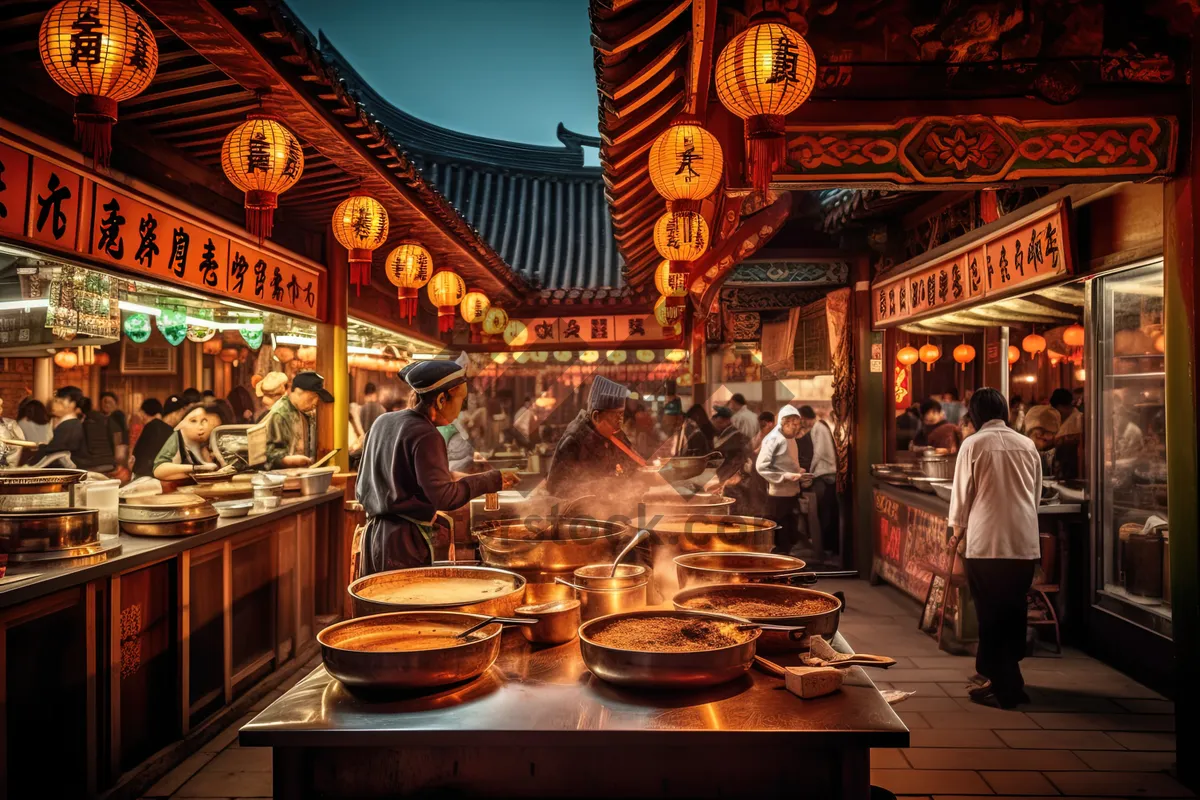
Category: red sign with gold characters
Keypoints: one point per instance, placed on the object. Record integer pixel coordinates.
(67, 209)
(1014, 259)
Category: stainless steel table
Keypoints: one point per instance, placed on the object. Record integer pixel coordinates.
(538, 724)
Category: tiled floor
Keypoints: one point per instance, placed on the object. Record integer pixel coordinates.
(1091, 732)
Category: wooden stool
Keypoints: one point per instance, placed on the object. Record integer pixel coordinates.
(1043, 591)
(952, 583)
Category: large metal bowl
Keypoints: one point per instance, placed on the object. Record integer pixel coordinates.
(640, 668)
(695, 569)
(500, 605)
(565, 545)
(673, 503)
(696, 533)
(715, 599)
(48, 531)
(355, 651)
(684, 468)
(39, 481)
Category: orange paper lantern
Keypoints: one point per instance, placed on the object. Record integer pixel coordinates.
(964, 354)
(474, 306)
(685, 163)
(1073, 335)
(101, 52)
(495, 321)
(409, 267)
(765, 73)
(907, 355)
(681, 235)
(446, 290)
(284, 354)
(263, 159)
(1014, 355)
(929, 353)
(66, 359)
(229, 354)
(1034, 344)
(360, 224)
(102, 359)
(213, 346)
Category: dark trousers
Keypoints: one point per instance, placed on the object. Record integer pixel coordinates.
(785, 511)
(828, 512)
(998, 588)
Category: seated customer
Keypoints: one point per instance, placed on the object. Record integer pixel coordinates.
(186, 452)
(936, 430)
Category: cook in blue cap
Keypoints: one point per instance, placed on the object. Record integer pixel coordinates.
(593, 449)
(405, 479)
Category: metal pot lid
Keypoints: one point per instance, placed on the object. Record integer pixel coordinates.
(176, 500)
(39, 514)
(35, 477)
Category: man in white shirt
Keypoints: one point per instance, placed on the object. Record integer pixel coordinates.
(779, 464)
(994, 507)
(824, 471)
(744, 419)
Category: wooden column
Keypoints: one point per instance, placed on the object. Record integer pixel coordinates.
(871, 408)
(333, 419)
(698, 361)
(43, 378)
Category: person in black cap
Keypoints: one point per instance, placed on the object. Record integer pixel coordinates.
(683, 435)
(593, 448)
(404, 478)
(292, 423)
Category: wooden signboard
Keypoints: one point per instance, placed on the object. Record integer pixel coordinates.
(69, 209)
(1015, 259)
(619, 331)
(906, 537)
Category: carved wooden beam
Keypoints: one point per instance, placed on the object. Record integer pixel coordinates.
(761, 218)
(704, 30)
(965, 151)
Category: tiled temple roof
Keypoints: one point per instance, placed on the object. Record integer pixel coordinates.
(539, 207)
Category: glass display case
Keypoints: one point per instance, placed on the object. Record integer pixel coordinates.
(1129, 483)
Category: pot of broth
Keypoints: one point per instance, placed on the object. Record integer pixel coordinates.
(474, 590)
(696, 533)
(409, 650)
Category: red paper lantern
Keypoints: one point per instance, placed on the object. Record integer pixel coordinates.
(1034, 344)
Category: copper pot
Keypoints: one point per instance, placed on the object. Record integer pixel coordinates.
(47, 531)
(500, 605)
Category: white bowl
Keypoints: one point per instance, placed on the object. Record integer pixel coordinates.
(227, 509)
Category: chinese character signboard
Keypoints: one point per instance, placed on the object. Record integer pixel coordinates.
(589, 332)
(1014, 259)
(59, 206)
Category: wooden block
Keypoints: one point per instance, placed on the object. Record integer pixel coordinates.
(810, 682)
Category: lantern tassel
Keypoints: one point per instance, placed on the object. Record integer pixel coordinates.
(260, 213)
(446, 318)
(766, 148)
(94, 118)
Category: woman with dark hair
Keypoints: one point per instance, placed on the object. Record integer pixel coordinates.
(404, 479)
(993, 510)
(34, 420)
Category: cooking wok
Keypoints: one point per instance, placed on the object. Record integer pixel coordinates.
(684, 468)
(724, 567)
(566, 544)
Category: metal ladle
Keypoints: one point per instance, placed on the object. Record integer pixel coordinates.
(502, 620)
(638, 538)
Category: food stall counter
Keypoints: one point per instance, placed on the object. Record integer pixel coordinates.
(539, 724)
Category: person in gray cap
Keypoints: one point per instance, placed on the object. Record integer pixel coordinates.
(404, 479)
(593, 448)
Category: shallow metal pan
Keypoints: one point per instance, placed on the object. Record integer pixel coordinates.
(567, 544)
(47, 531)
(347, 650)
(501, 605)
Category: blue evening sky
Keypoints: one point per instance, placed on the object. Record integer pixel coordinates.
(507, 69)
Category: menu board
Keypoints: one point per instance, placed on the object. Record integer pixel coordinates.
(1014, 259)
(907, 537)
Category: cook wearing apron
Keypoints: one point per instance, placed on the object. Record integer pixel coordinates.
(405, 479)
